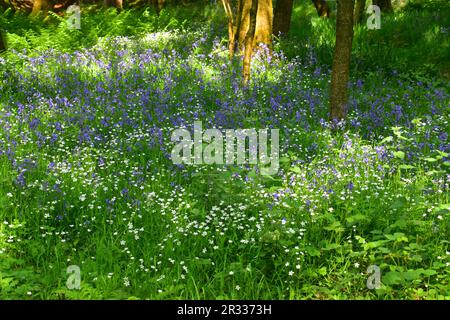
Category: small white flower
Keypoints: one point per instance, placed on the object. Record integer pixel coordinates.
(291, 273)
(238, 288)
(356, 265)
(82, 197)
(9, 195)
(231, 273)
(126, 282)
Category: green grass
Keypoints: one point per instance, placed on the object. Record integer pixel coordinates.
(414, 40)
(85, 179)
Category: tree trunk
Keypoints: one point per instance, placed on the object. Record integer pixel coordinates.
(251, 26)
(158, 5)
(341, 60)
(238, 42)
(3, 4)
(282, 17)
(40, 5)
(323, 10)
(264, 21)
(244, 22)
(385, 5)
(249, 40)
(359, 11)
(231, 29)
(2, 42)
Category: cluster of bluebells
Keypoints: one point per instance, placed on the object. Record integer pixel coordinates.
(85, 139)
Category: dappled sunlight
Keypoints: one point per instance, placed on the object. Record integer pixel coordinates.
(88, 177)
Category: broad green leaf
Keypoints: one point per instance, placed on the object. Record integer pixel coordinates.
(399, 154)
(392, 277)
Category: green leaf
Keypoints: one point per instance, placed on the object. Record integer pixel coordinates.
(313, 252)
(399, 203)
(429, 272)
(398, 237)
(322, 271)
(411, 275)
(295, 169)
(392, 277)
(399, 154)
(442, 153)
(374, 244)
(357, 218)
(442, 207)
(332, 246)
(335, 226)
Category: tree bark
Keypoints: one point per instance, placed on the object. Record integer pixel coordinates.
(2, 42)
(282, 17)
(341, 60)
(249, 40)
(385, 5)
(359, 11)
(264, 23)
(263, 28)
(114, 3)
(323, 10)
(243, 23)
(158, 5)
(238, 44)
(40, 6)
